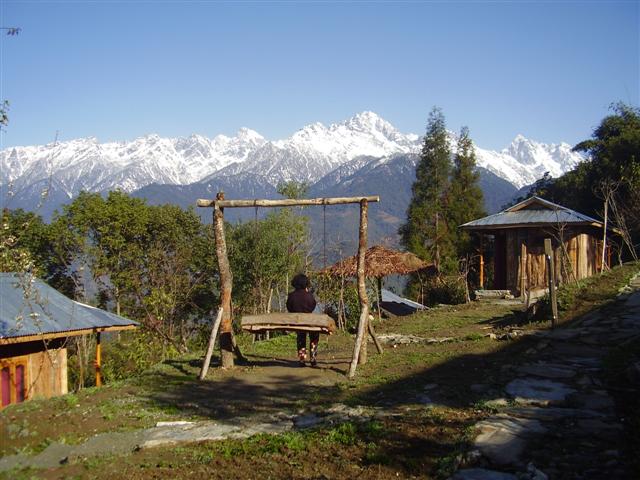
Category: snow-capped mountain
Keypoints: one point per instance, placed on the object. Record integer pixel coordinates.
(308, 155)
(525, 161)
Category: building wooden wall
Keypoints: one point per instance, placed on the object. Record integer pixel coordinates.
(47, 373)
(578, 257)
(44, 365)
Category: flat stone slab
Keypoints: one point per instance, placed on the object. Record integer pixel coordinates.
(538, 391)
(564, 334)
(551, 414)
(547, 370)
(594, 401)
(588, 362)
(599, 428)
(50, 457)
(502, 439)
(481, 474)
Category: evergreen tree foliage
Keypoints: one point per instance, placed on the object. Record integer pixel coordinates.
(613, 154)
(466, 201)
(426, 232)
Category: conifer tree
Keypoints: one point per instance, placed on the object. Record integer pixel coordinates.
(466, 201)
(426, 232)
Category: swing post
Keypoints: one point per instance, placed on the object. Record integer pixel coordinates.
(360, 348)
(226, 284)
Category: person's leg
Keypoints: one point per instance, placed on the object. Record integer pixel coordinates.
(302, 346)
(314, 339)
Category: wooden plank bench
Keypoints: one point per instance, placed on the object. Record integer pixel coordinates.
(290, 322)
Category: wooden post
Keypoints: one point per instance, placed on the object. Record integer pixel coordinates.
(604, 234)
(98, 360)
(212, 341)
(551, 269)
(523, 270)
(226, 341)
(359, 349)
(378, 288)
(376, 342)
(481, 262)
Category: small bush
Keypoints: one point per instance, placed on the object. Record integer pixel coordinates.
(132, 354)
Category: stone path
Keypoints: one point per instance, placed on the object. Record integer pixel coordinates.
(171, 433)
(558, 415)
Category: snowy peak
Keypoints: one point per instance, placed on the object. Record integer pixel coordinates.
(308, 155)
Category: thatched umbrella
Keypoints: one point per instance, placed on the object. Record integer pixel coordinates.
(379, 262)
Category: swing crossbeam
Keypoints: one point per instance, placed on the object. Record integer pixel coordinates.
(288, 322)
(284, 202)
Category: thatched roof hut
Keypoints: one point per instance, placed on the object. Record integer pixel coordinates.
(379, 262)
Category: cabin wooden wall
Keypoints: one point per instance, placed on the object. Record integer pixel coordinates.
(47, 373)
(578, 258)
(46, 366)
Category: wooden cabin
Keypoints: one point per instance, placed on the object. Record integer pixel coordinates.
(517, 238)
(36, 322)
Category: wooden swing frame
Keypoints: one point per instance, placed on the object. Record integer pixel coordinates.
(223, 318)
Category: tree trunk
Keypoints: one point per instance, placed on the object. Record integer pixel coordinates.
(604, 234)
(226, 341)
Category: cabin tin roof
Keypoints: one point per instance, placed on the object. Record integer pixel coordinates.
(31, 310)
(532, 212)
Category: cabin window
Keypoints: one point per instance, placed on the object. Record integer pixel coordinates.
(13, 381)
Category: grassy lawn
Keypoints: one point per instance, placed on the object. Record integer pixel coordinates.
(416, 441)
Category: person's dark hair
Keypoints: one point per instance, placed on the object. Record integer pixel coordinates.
(300, 281)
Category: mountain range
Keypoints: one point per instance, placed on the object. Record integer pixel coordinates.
(362, 155)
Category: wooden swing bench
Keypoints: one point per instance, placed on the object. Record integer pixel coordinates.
(289, 322)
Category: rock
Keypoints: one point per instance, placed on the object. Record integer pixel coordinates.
(564, 334)
(497, 403)
(424, 400)
(306, 421)
(472, 457)
(205, 431)
(173, 424)
(538, 391)
(430, 386)
(479, 387)
(589, 362)
(547, 370)
(481, 474)
(439, 340)
(594, 401)
(633, 373)
(550, 414)
(534, 473)
(599, 429)
(502, 438)
(541, 345)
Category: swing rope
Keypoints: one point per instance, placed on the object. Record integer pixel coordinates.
(324, 236)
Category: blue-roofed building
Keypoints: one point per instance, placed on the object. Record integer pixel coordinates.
(36, 322)
(514, 240)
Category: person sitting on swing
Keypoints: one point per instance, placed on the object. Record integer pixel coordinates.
(302, 301)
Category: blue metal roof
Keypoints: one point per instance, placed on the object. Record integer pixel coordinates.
(28, 306)
(533, 211)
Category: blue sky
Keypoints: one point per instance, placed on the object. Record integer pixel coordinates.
(117, 70)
